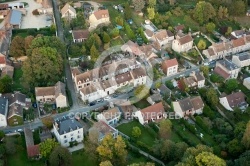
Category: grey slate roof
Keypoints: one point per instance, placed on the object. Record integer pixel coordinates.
(66, 125)
(28, 137)
(60, 89)
(227, 64)
(3, 103)
(16, 17)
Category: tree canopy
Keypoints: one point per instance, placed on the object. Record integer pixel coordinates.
(17, 48)
(246, 137)
(209, 159)
(47, 147)
(5, 84)
(138, 4)
(203, 12)
(60, 156)
(165, 129)
(136, 132)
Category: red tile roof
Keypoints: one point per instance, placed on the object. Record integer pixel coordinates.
(101, 14)
(153, 111)
(218, 70)
(2, 60)
(238, 42)
(33, 150)
(80, 34)
(169, 63)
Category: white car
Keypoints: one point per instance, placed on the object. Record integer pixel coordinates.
(20, 130)
(107, 98)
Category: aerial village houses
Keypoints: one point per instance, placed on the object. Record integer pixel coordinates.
(242, 59)
(233, 101)
(80, 35)
(102, 129)
(132, 48)
(188, 106)
(52, 94)
(221, 50)
(170, 66)
(68, 12)
(68, 130)
(99, 17)
(162, 37)
(196, 79)
(14, 19)
(110, 117)
(152, 113)
(182, 43)
(226, 69)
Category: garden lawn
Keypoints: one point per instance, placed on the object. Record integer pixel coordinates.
(190, 136)
(197, 39)
(145, 137)
(17, 86)
(20, 157)
(142, 104)
(80, 158)
(231, 24)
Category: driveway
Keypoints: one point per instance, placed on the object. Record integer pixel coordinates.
(32, 21)
(94, 4)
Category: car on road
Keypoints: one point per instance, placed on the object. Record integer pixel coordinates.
(92, 103)
(115, 95)
(107, 98)
(20, 130)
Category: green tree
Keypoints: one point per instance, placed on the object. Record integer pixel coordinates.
(201, 44)
(60, 156)
(172, 2)
(5, 84)
(235, 148)
(151, 3)
(2, 135)
(142, 164)
(83, 50)
(43, 67)
(47, 147)
(127, 12)
(210, 27)
(165, 129)
(105, 38)
(75, 50)
(112, 149)
(246, 137)
(17, 48)
(209, 159)
(238, 8)
(98, 41)
(119, 21)
(129, 31)
(244, 159)
(151, 12)
(106, 163)
(231, 85)
(138, 4)
(136, 132)
(229, 30)
(94, 53)
(222, 12)
(205, 70)
(203, 12)
(114, 33)
(212, 96)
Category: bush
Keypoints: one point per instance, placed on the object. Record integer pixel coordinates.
(143, 146)
(35, 12)
(190, 127)
(207, 111)
(200, 123)
(215, 78)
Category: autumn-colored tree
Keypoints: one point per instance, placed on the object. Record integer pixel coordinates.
(60, 156)
(165, 129)
(136, 132)
(222, 12)
(48, 122)
(210, 27)
(151, 3)
(94, 53)
(203, 12)
(151, 13)
(201, 44)
(17, 48)
(112, 149)
(138, 4)
(47, 147)
(106, 163)
(119, 21)
(205, 70)
(44, 67)
(27, 43)
(246, 137)
(172, 2)
(209, 159)
(229, 30)
(142, 164)
(105, 38)
(114, 33)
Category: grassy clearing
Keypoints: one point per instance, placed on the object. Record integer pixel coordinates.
(80, 158)
(17, 85)
(142, 104)
(145, 137)
(20, 157)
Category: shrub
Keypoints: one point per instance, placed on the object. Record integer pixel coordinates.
(35, 12)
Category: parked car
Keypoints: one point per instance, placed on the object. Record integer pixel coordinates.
(20, 130)
(107, 98)
(92, 103)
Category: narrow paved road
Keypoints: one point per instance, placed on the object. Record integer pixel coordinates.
(69, 82)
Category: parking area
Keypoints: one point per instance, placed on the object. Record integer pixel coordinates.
(33, 21)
